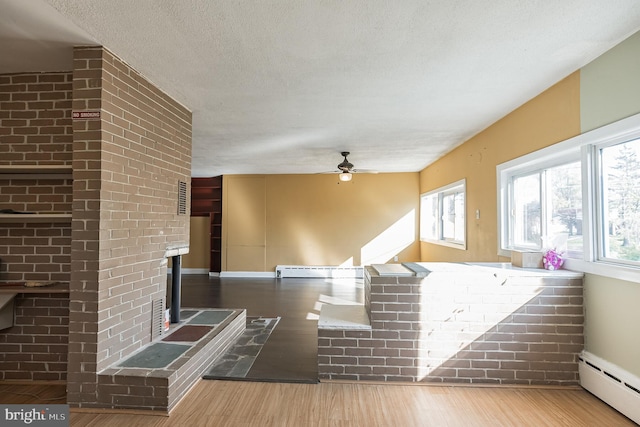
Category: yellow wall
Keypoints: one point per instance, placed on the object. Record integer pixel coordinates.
(244, 223)
(551, 117)
(199, 244)
(604, 91)
(313, 220)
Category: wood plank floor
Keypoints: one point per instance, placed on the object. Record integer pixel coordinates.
(233, 403)
(33, 393)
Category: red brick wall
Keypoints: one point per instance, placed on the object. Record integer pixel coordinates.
(127, 166)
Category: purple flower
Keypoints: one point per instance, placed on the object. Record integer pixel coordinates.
(552, 260)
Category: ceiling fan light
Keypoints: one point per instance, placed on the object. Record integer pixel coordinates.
(345, 176)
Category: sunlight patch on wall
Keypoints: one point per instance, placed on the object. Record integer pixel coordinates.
(349, 298)
(456, 314)
(391, 241)
(347, 263)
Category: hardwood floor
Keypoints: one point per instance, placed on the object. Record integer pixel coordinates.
(33, 393)
(292, 353)
(257, 404)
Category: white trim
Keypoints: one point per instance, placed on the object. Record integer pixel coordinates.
(601, 268)
(195, 270)
(445, 243)
(462, 183)
(184, 271)
(618, 132)
(249, 274)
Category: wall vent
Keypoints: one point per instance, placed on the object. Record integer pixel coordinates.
(182, 198)
(157, 318)
(319, 271)
(610, 383)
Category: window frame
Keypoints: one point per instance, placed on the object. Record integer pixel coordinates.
(445, 190)
(584, 148)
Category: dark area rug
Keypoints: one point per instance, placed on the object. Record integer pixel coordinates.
(238, 360)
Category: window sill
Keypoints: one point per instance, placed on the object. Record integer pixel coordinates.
(613, 271)
(461, 246)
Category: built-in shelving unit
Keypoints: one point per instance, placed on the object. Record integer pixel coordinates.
(216, 242)
(35, 218)
(56, 288)
(35, 172)
(206, 200)
(9, 292)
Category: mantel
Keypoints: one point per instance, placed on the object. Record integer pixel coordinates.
(176, 249)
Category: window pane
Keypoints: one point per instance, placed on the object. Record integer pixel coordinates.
(429, 210)
(526, 211)
(620, 181)
(453, 217)
(442, 216)
(459, 217)
(564, 207)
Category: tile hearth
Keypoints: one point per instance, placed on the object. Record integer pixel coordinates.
(157, 376)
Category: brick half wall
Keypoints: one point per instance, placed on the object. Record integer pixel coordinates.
(465, 325)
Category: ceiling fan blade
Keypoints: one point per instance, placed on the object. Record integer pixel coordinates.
(364, 171)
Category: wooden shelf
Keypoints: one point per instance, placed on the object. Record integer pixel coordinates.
(36, 172)
(35, 218)
(8, 292)
(206, 200)
(58, 288)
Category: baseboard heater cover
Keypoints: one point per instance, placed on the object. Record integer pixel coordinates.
(319, 271)
(615, 386)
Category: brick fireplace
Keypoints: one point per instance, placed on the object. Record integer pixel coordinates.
(102, 196)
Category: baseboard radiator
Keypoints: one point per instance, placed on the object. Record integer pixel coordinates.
(612, 384)
(319, 271)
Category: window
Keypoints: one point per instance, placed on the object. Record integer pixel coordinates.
(442, 216)
(546, 209)
(619, 187)
(581, 196)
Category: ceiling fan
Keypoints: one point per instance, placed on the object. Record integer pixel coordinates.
(346, 168)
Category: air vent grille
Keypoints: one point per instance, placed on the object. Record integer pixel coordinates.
(157, 318)
(182, 198)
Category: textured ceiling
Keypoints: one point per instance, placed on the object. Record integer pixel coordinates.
(283, 86)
